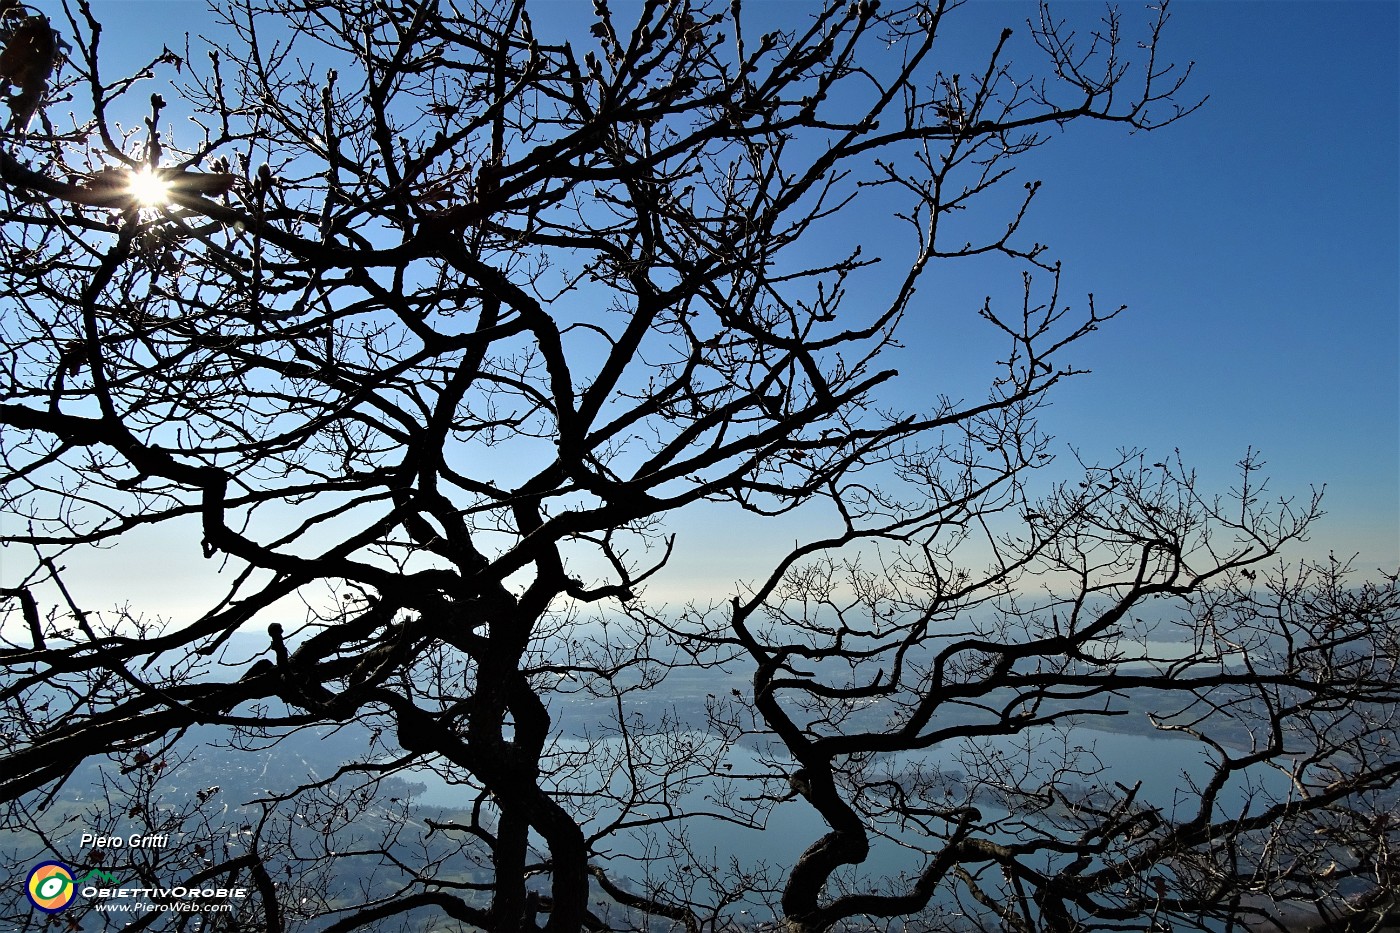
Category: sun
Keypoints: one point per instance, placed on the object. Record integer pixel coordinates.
(149, 189)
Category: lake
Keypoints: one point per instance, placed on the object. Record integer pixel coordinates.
(1164, 764)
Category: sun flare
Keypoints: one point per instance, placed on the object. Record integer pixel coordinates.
(149, 189)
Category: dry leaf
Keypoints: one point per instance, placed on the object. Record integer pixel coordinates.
(27, 61)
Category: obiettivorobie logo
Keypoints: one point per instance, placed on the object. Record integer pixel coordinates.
(50, 886)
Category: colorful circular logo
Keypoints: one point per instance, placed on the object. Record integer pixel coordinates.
(51, 887)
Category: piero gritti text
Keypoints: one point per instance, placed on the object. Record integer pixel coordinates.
(134, 841)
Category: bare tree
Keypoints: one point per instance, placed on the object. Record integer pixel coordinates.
(430, 321)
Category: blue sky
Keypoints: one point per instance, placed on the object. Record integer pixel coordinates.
(1256, 244)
